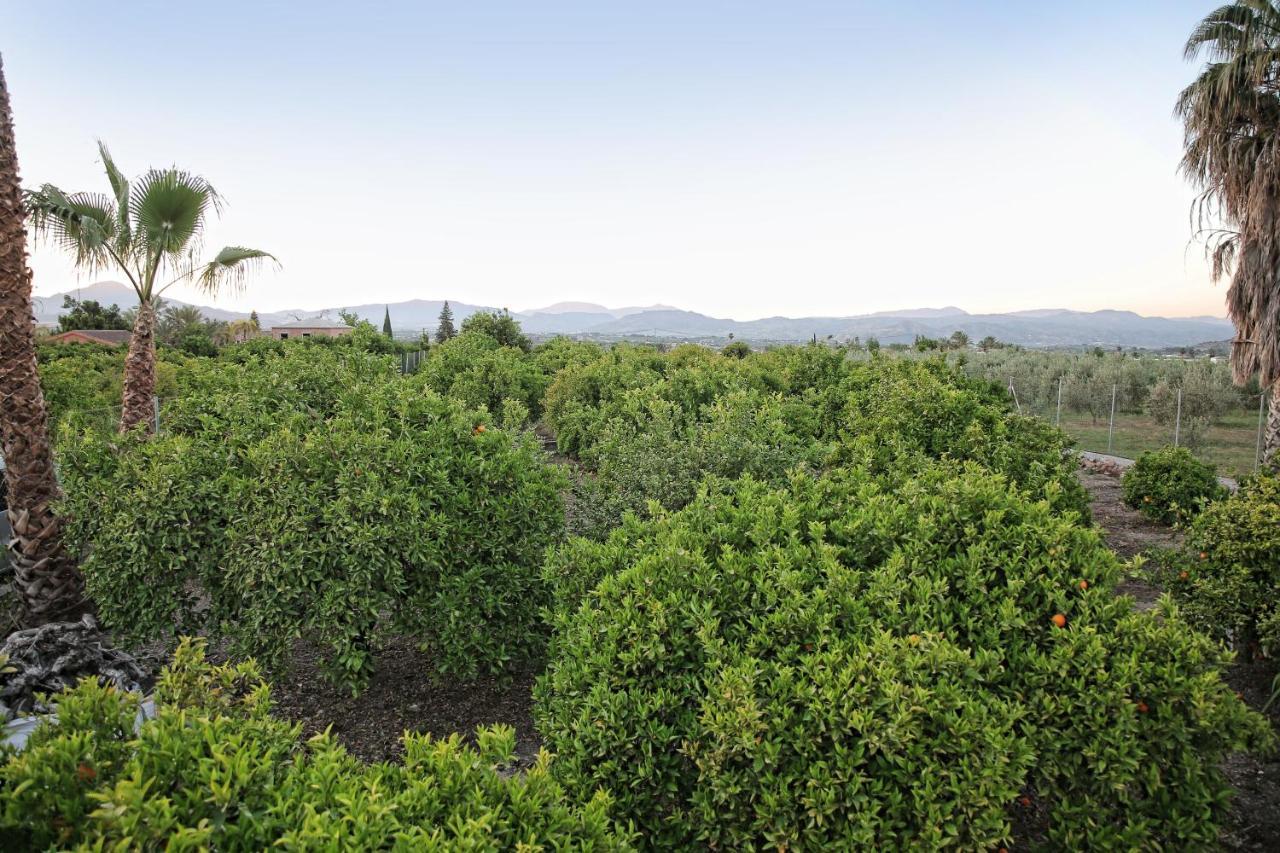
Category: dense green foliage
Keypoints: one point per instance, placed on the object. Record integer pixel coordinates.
(1170, 485)
(89, 314)
(1227, 575)
(480, 371)
(500, 326)
(852, 663)
(814, 606)
(83, 383)
(650, 426)
(315, 493)
(214, 771)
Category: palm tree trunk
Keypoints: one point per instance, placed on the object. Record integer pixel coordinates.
(1271, 437)
(47, 579)
(140, 373)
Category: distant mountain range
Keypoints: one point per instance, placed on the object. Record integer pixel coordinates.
(1051, 327)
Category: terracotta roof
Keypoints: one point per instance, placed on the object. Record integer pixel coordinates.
(110, 337)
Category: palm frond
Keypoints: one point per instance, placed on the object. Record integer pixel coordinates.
(230, 267)
(83, 224)
(120, 189)
(169, 208)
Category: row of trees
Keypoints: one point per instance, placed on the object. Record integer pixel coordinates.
(1142, 384)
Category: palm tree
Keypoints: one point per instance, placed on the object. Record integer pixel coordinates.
(1231, 121)
(150, 229)
(242, 330)
(176, 320)
(46, 576)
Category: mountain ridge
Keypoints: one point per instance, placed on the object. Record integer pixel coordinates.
(1042, 327)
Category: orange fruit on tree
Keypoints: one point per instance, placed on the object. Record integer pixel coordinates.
(1084, 584)
(1142, 708)
(1182, 575)
(479, 429)
(1059, 620)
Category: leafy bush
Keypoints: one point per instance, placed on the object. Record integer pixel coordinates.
(1227, 575)
(1170, 485)
(500, 326)
(318, 494)
(898, 416)
(213, 770)
(654, 457)
(847, 665)
(480, 372)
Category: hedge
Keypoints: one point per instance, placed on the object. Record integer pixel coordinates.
(847, 664)
(214, 770)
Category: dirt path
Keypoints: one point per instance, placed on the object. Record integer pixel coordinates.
(1254, 821)
(1126, 531)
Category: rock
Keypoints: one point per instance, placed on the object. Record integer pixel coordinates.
(55, 657)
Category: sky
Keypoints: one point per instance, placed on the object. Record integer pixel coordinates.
(742, 159)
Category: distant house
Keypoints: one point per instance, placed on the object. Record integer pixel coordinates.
(105, 337)
(310, 329)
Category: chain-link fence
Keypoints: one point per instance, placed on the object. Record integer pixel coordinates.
(1100, 417)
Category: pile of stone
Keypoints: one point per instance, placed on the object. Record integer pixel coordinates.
(1102, 466)
(56, 657)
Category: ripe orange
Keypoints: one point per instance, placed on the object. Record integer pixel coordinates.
(479, 429)
(1203, 555)
(1084, 584)
(1025, 800)
(85, 773)
(1142, 708)
(1182, 575)
(1059, 620)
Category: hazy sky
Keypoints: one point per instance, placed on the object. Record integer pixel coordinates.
(742, 159)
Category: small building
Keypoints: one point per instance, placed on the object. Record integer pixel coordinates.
(310, 329)
(104, 337)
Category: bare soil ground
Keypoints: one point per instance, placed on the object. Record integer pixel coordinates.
(1254, 821)
(402, 696)
(1126, 531)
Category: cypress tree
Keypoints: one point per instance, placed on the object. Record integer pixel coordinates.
(253, 318)
(444, 329)
(386, 322)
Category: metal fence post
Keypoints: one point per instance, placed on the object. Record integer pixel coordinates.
(155, 414)
(1014, 392)
(1057, 417)
(1262, 416)
(1177, 420)
(1111, 425)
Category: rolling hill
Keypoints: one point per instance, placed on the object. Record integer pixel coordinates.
(1049, 327)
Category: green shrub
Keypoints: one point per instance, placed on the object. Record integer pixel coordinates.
(558, 353)
(477, 370)
(1227, 575)
(846, 665)
(898, 416)
(213, 770)
(500, 326)
(656, 457)
(1170, 485)
(893, 415)
(320, 495)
